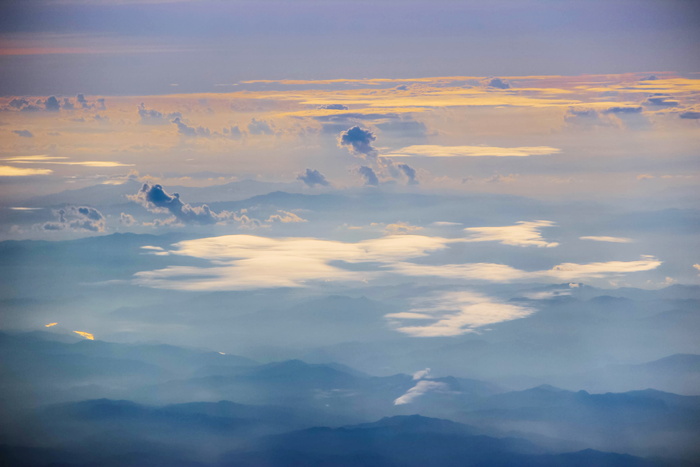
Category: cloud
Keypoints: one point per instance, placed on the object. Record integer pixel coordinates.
(241, 262)
(607, 239)
(312, 178)
(690, 115)
(285, 217)
(86, 335)
(18, 103)
(333, 107)
(498, 83)
(67, 104)
(548, 294)
(260, 127)
(521, 234)
(456, 313)
(126, 219)
(52, 105)
(359, 141)
(233, 132)
(61, 160)
(409, 172)
(7, 171)
(152, 116)
(77, 218)
(399, 228)
(155, 198)
(83, 102)
(697, 266)
(24, 133)
(492, 272)
(471, 151)
(421, 388)
(369, 175)
(623, 110)
(660, 100)
(421, 374)
(186, 130)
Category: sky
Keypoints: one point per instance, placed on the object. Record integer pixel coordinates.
(368, 143)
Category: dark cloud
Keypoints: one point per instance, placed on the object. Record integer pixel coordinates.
(313, 178)
(52, 105)
(403, 87)
(155, 117)
(24, 133)
(649, 78)
(410, 173)
(260, 127)
(67, 104)
(186, 130)
(333, 107)
(82, 101)
(498, 83)
(661, 100)
(582, 113)
(690, 115)
(155, 198)
(623, 110)
(369, 175)
(359, 141)
(234, 132)
(18, 103)
(77, 218)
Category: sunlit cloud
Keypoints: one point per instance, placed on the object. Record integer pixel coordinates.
(250, 262)
(57, 160)
(50, 325)
(470, 151)
(86, 335)
(8, 171)
(607, 239)
(491, 272)
(522, 234)
(240, 262)
(455, 313)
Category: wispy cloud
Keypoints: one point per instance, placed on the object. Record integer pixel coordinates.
(491, 272)
(608, 239)
(455, 313)
(521, 234)
(471, 151)
(8, 171)
(421, 388)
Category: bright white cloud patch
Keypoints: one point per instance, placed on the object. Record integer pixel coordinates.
(421, 388)
(470, 151)
(240, 262)
(521, 234)
(455, 313)
(608, 239)
(250, 262)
